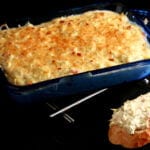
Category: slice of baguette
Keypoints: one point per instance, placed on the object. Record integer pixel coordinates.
(130, 123)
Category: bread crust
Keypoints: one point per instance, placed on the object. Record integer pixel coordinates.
(119, 136)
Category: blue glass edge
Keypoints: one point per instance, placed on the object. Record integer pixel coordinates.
(86, 75)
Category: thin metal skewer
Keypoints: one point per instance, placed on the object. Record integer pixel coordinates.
(65, 116)
(77, 103)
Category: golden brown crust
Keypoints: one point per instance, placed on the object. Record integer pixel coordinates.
(70, 45)
(119, 136)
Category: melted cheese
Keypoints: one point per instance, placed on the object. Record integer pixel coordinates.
(69, 45)
(133, 115)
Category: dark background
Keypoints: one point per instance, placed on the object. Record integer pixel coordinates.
(17, 11)
(44, 7)
(30, 128)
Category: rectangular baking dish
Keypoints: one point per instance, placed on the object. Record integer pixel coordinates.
(87, 81)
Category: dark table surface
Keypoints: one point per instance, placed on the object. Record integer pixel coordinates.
(30, 127)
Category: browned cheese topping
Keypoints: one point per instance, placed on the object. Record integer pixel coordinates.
(70, 45)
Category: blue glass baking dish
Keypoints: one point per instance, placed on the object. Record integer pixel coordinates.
(87, 81)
